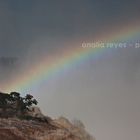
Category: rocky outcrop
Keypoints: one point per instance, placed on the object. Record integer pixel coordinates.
(76, 127)
(35, 112)
(60, 129)
(19, 120)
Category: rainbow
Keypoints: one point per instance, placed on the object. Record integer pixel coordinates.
(47, 67)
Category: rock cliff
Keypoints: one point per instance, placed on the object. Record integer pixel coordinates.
(59, 129)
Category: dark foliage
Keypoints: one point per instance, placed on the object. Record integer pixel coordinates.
(15, 102)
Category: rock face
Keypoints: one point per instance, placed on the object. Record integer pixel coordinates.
(60, 129)
(76, 127)
(19, 120)
(35, 112)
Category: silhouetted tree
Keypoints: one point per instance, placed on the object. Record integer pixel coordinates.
(15, 103)
(22, 103)
(29, 101)
(5, 103)
(18, 102)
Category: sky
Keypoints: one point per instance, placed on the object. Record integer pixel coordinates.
(101, 90)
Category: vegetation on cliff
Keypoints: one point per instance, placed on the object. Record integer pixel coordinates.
(14, 104)
(20, 120)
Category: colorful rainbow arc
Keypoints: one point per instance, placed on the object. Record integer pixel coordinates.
(45, 68)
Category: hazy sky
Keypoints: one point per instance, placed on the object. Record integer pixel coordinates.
(103, 92)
